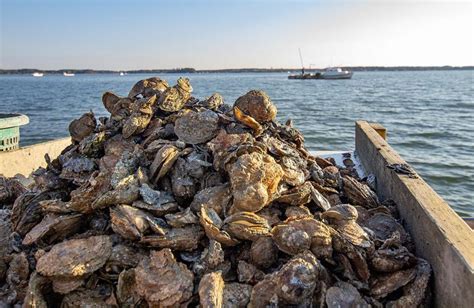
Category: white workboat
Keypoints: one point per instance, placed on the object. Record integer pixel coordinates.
(37, 74)
(336, 73)
(68, 74)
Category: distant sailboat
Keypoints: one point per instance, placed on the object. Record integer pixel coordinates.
(68, 74)
(122, 74)
(37, 74)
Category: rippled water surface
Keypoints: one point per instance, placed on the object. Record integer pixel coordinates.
(429, 115)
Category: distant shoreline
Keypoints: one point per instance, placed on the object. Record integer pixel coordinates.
(30, 71)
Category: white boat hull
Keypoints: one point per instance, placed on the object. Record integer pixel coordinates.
(346, 75)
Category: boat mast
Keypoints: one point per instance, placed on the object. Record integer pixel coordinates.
(301, 59)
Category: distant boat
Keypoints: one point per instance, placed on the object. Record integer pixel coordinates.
(123, 74)
(37, 74)
(68, 74)
(336, 73)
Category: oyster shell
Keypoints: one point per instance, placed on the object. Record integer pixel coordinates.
(75, 258)
(197, 127)
(213, 102)
(258, 105)
(254, 180)
(246, 226)
(293, 284)
(142, 111)
(343, 294)
(358, 193)
(186, 238)
(263, 252)
(148, 87)
(236, 295)
(383, 285)
(174, 98)
(82, 127)
(212, 225)
(164, 160)
(211, 289)
(163, 281)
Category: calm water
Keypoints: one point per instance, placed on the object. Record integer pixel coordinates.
(429, 115)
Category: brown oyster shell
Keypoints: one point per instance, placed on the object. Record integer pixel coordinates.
(148, 87)
(258, 105)
(414, 292)
(211, 289)
(383, 285)
(85, 298)
(213, 102)
(75, 258)
(37, 287)
(197, 127)
(236, 295)
(131, 223)
(82, 127)
(127, 295)
(293, 284)
(248, 121)
(297, 196)
(186, 238)
(53, 227)
(140, 117)
(254, 179)
(212, 225)
(246, 226)
(163, 281)
(263, 252)
(291, 240)
(392, 256)
(319, 234)
(164, 160)
(174, 98)
(343, 294)
(217, 198)
(358, 193)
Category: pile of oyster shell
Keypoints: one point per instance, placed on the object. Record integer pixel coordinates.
(175, 201)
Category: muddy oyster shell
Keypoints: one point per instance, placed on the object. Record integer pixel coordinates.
(212, 225)
(236, 295)
(258, 105)
(297, 235)
(163, 281)
(358, 193)
(392, 256)
(127, 294)
(414, 292)
(182, 239)
(174, 98)
(82, 127)
(164, 160)
(197, 127)
(254, 179)
(217, 198)
(211, 289)
(343, 294)
(246, 226)
(213, 102)
(140, 117)
(148, 87)
(293, 284)
(385, 284)
(75, 258)
(291, 240)
(263, 252)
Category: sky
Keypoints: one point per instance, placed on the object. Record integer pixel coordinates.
(216, 34)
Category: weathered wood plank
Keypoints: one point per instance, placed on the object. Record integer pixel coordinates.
(440, 235)
(25, 160)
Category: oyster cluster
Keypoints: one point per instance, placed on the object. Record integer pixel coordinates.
(173, 201)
